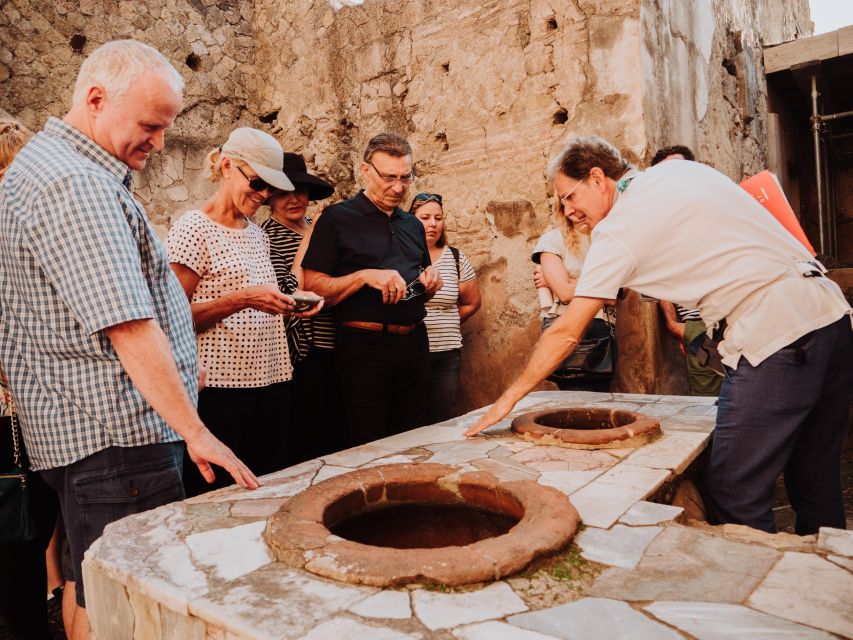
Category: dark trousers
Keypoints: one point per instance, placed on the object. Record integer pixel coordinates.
(316, 424)
(444, 368)
(787, 415)
(253, 422)
(23, 574)
(109, 485)
(383, 379)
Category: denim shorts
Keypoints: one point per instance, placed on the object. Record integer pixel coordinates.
(109, 485)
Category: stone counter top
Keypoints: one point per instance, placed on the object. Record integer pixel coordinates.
(200, 569)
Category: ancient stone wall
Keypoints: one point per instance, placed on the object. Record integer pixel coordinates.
(486, 92)
(211, 42)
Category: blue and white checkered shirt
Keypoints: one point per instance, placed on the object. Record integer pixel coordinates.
(77, 256)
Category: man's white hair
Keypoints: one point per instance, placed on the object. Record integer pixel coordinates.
(115, 65)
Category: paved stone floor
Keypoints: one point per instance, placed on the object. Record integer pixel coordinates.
(201, 569)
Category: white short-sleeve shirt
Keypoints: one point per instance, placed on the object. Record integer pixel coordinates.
(442, 310)
(248, 348)
(686, 233)
(552, 242)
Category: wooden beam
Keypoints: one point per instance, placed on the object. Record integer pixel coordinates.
(785, 56)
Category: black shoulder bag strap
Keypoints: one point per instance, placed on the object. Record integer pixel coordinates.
(455, 253)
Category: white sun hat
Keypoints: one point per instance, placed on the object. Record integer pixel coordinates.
(260, 151)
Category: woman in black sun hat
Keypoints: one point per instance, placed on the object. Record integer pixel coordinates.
(311, 340)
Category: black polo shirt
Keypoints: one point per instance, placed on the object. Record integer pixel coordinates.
(354, 235)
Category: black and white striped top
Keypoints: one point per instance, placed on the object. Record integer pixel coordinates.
(318, 330)
(442, 318)
(685, 314)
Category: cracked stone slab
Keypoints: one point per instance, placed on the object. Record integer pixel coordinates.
(262, 508)
(462, 451)
(649, 513)
(594, 619)
(841, 561)
(392, 605)
(292, 602)
(280, 484)
(663, 409)
(358, 456)
(505, 469)
(808, 589)
(572, 397)
(551, 458)
(619, 546)
(568, 481)
(683, 563)
(343, 628)
(395, 459)
(702, 400)
(688, 423)
(675, 451)
(329, 471)
(423, 436)
(700, 411)
(148, 550)
(713, 621)
(636, 397)
(836, 541)
(497, 631)
(605, 499)
(446, 610)
(231, 552)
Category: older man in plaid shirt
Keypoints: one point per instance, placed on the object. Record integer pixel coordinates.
(97, 336)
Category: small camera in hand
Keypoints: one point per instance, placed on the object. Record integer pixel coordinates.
(305, 302)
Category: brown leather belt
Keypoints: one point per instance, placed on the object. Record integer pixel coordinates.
(401, 329)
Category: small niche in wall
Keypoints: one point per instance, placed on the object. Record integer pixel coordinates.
(442, 139)
(551, 24)
(730, 66)
(446, 67)
(77, 42)
(193, 62)
(561, 116)
(270, 117)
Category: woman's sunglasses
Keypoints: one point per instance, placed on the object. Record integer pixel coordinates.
(426, 197)
(257, 184)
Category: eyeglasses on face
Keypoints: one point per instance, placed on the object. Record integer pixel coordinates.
(415, 288)
(426, 197)
(567, 197)
(257, 184)
(407, 179)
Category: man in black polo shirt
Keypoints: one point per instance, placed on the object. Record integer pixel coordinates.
(369, 260)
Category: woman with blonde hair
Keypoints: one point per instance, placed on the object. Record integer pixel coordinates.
(23, 589)
(560, 253)
(222, 260)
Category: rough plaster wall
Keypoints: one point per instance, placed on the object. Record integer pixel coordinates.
(485, 102)
(211, 42)
(704, 82)
(485, 91)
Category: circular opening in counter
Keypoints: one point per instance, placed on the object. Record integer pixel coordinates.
(587, 428)
(420, 523)
(424, 526)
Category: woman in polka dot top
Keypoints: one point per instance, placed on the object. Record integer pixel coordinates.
(223, 262)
